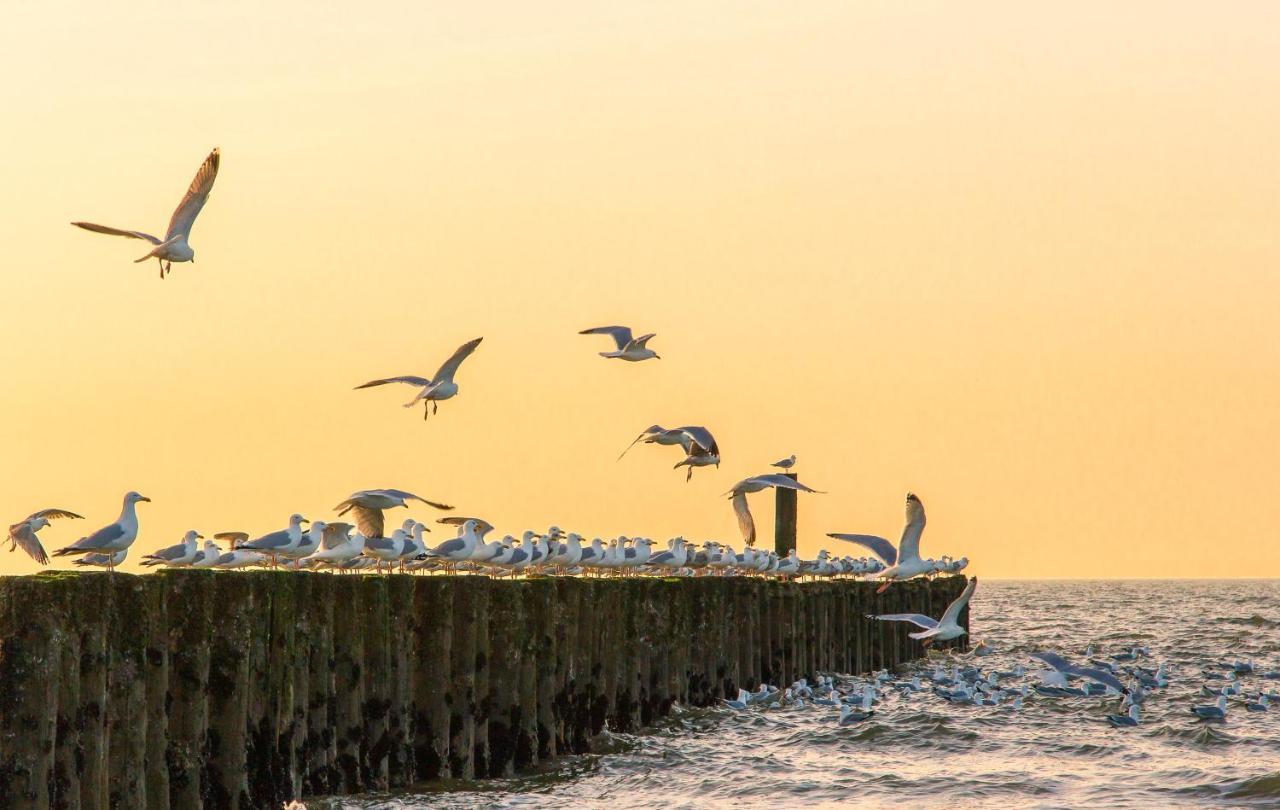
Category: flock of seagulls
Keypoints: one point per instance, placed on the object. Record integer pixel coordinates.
(364, 543)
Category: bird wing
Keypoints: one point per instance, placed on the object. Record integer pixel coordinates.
(1101, 676)
(400, 493)
(621, 334)
(89, 226)
(264, 543)
(1054, 660)
(745, 523)
(917, 619)
(100, 538)
(449, 547)
(369, 521)
(450, 366)
(702, 437)
(639, 342)
(878, 546)
(167, 553)
(781, 480)
(952, 613)
(650, 431)
(408, 379)
(184, 216)
(53, 514)
(21, 535)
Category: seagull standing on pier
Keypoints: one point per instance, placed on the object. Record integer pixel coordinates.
(633, 350)
(439, 387)
(738, 496)
(113, 536)
(368, 506)
(107, 561)
(174, 247)
(904, 561)
(176, 556)
(785, 464)
(280, 542)
(944, 629)
(23, 533)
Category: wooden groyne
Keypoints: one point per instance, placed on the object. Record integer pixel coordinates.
(193, 689)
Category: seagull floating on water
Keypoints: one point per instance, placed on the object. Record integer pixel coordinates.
(23, 533)
(631, 349)
(946, 628)
(438, 388)
(904, 561)
(113, 536)
(1218, 711)
(174, 247)
(1123, 720)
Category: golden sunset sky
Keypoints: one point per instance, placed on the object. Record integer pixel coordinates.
(1020, 260)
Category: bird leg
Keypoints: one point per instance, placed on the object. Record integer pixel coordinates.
(160, 262)
(435, 406)
(885, 586)
(426, 409)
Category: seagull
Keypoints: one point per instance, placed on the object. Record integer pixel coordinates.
(23, 533)
(239, 557)
(1218, 711)
(174, 247)
(1123, 720)
(461, 547)
(107, 561)
(113, 536)
(904, 562)
(944, 629)
(700, 448)
(338, 544)
(207, 557)
(741, 703)
(738, 495)
(388, 550)
(309, 542)
(849, 715)
(633, 350)
(368, 505)
(1065, 667)
(278, 542)
(439, 387)
(785, 463)
(655, 434)
(180, 555)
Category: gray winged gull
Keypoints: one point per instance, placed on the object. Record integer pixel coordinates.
(176, 556)
(439, 387)
(943, 629)
(23, 533)
(738, 497)
(631, 349)
(904, 561)
(174, 247)
(368, 506)
(113, 536)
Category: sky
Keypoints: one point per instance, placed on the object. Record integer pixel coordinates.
(1020, 260)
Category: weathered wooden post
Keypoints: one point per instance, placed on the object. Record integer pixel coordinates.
(784, 518)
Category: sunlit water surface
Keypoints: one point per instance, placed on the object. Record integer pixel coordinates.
(921, 751)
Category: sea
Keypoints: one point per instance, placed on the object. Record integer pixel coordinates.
(920, 750)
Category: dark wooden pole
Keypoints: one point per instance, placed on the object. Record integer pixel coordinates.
(784, 519)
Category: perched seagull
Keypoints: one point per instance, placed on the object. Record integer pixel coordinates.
(944, 629)
(1065, 667)
(439, 387)
(174, 247)
(207, 557)
(240, 557)
(633, 350)
(178, 556)
(107, 561)
(459, 548)
(483, 526)
(279, 542)
(786, 463)
(388, 550)
(738, 495)
(338, 544)
(904, 561)
(368, 505)
(23, 533)
(113, 536)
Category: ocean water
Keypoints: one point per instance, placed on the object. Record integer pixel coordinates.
(921, 751)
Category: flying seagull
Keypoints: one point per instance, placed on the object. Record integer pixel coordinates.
(655, 434)
(738, 495)
(174, 247)
(700, 448)
(943, 629)
(368, 505)
(439, 387)
(904, 561)
(23, 533)
(631, 349)
(113, 536)
(1060, 664)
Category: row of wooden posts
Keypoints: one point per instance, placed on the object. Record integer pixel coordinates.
(194, 689)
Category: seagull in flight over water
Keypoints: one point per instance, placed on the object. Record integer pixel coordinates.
(631, 349)
(439, 387)
(944, 629)
(174, 247)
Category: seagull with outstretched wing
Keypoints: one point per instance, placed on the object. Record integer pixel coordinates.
(368, 506)
(738, 496)
(631, 349)
(173, 247)
(439, 387)
(944, 629)
(904, 561)
(23, 533)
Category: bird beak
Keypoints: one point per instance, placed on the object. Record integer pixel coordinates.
(199, 536)
(144, 498)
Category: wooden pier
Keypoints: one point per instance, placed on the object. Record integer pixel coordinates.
(191, 689)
